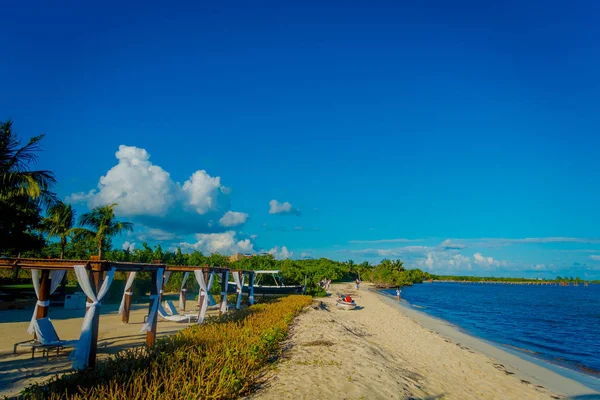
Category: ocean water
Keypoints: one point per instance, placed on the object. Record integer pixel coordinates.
(558, 324)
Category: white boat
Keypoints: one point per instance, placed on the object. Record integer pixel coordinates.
(345, 305)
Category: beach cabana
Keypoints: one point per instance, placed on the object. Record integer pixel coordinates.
(94, 277)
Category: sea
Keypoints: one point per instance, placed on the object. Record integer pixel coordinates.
(557, 324)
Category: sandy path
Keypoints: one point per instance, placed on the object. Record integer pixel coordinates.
(378, 352)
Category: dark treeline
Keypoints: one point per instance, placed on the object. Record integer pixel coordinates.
(460, 278)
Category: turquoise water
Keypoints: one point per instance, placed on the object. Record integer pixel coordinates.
(554, 323)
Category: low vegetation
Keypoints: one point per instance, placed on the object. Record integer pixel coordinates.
(220, 359)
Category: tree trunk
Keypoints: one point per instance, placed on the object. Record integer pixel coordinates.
(100, 250)
(63, 244)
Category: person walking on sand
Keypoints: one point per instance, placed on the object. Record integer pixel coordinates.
(357, 283)
(398, 293)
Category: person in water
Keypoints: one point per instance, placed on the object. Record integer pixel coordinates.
(398, 293)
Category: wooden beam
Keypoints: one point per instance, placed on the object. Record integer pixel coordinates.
(151, 334)
(97, 276)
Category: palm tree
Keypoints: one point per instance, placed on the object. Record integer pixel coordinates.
(60, 223)
(15, 177)
(103, 225)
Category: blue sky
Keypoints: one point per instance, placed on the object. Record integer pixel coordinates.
(387, 128)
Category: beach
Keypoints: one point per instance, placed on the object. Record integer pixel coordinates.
(383, 350)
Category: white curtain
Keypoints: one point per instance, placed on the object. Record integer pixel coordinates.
(167, 275)
(82, 350)
(224, 286)
(240, 284)
(204, 290)
(251, 295)
(56, 277)
(185, 276)
(127, 291)
(155, 300)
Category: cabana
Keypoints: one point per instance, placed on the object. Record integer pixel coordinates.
(95, 277)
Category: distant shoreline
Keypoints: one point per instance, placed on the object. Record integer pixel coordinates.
(555, 377)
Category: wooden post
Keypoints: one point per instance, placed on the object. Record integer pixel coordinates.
(42, 311)
(224, 287)
(97, 276)
(127, 305)
(151, 334)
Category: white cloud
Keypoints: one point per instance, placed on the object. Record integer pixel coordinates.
(233, 218)
(480, 260)
(144, 233)
(128, 246)
(146, 193)
(225, 243)
(449, 244)
(595, 257)
(281, 253)
(401, 240)
(388, 253)
(445, 263)
(276, 207)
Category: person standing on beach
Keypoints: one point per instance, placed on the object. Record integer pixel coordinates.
(357, 282)
(398, 293)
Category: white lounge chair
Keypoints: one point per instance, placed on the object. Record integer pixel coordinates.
(170, 308)
(47, 339)
(173, 318)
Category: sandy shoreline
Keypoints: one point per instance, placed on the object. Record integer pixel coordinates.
(385, 351)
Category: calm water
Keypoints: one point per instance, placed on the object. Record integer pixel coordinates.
(558, 324)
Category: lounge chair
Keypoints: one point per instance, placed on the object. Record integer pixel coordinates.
(170, 307)
(47, 339)
(173, 318)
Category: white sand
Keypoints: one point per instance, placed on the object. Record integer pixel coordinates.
(380, 352)
(18, 371)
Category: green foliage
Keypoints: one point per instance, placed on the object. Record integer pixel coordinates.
(16, 178)
(60, 223)
(19, 226)
(392, 273)
(102, 224)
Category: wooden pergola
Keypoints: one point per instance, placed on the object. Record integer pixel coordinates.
(96, 269)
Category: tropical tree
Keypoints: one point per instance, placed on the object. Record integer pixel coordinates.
(60, 223)
(103, 226)
(16, 179)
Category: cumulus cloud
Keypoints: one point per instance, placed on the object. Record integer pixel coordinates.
(442, 262)
(284, 208)
(281, 253)
(479, 259)
(225, 243)
(128, 246)
(595, 257)
(146, 193)
(233, 218)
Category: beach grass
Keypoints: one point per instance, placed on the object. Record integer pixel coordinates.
(220, 359)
